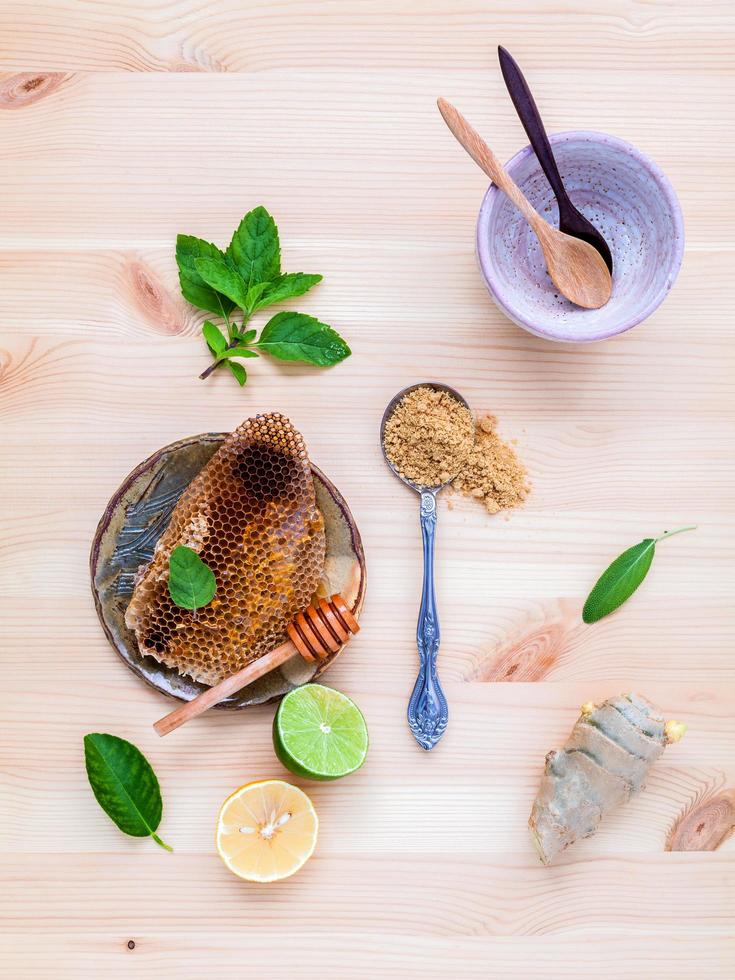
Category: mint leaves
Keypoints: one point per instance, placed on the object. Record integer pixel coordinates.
(217, 274)
(124, 785)
(247, 276)
(297, 337)
(255, 249)
(620, 579)
(284, 287)
(191, 582)
(188, 251)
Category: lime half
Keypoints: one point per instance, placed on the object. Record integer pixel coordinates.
(319, 733)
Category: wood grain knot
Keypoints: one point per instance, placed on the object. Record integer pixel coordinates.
(705, 824)
(161, 310)
(25, 88)
(530, 658)
(20, 369)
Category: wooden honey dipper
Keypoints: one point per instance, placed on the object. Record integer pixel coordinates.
(323, 628)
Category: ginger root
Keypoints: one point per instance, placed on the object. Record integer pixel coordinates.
(604, 762)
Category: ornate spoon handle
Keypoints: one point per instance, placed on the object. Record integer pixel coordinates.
(427, 709)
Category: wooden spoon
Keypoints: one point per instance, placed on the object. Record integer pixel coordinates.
(576, 268)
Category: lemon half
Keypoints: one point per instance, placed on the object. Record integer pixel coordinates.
(266, 830)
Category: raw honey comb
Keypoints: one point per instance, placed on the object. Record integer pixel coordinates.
(251, 515)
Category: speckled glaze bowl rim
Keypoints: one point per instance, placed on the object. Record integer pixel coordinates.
(483, 239)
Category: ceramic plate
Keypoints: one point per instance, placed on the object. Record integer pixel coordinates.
(134, 520)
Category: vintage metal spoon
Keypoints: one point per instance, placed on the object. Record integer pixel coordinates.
(576, 268)
(427, 708)
(571, 220)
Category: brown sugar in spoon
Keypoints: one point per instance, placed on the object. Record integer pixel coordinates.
(576, 268)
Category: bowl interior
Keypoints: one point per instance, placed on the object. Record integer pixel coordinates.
(137, 516)
(625, 196)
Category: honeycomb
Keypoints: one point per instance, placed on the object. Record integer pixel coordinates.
(251, 515)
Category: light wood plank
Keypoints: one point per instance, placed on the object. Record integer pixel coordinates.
(133, 294)
(481, 783)
(352, 952)
(126, 159)
(497, 637)
(246, 35)
(499, 897)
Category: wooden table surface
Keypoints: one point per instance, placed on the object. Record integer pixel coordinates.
(123, 123)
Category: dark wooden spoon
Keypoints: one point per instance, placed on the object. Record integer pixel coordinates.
(571, 221)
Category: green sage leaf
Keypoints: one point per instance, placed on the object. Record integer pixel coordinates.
(620, 579)
(216, 340)
(193, 287)
(285, 287)
(124, 785)
(218, 274)
(239, 372)
(255, 249)
(191, 582)
(298, 337)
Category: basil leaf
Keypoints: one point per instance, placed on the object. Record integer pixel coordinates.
(124, 785)
(255, 249)
(620, 579)
(288, 286)
(298, 337)
(247, 337)
(220, 276)
(191, 582)
(238, 371)
(216, 340)
(193, 287)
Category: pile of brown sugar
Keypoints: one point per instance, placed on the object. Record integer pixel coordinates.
(430, 436)
(492, 472)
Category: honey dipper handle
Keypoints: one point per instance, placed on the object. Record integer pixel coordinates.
(230, 685)
(319, 632)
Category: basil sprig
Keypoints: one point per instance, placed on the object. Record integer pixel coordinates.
(620, 579)
(247, 276)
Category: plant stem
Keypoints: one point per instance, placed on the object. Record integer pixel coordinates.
(234, 341)
(670, 534)
(165, 846)
(226, 318)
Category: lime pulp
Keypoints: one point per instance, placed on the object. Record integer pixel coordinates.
(319, 733)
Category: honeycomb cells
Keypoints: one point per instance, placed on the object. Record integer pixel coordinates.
(251, 515)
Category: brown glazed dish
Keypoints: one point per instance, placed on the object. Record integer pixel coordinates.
(127, 533)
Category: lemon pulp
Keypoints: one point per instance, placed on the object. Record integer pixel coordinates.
(266, 830)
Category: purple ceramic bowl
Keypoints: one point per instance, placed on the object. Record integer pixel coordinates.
(625, 195)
